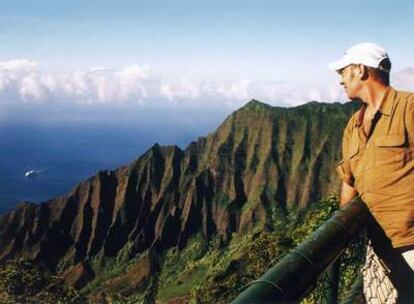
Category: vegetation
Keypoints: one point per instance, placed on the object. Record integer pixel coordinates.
(202, 272)
(26, 282)
(218, 274)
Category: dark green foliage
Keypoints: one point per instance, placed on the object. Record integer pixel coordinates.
(256, 253)
(213, 272)
(181, 268)
(216, 272)
(23, 281)
(250, 257)
(307, 222)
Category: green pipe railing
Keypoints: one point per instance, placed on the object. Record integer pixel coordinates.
(297, 273)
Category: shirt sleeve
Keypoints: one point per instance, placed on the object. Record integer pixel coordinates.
(344, 167)
(409, 119)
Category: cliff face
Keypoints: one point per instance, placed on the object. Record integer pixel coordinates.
(261, 157)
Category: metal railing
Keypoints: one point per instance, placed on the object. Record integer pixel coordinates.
(297, 273)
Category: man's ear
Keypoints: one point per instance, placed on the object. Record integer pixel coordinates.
(363, 72)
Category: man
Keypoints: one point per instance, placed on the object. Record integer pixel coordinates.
(378, 145)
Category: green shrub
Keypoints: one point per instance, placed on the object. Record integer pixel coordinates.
(24, 281)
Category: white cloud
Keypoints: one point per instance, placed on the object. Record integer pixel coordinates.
(23, 81)
(180, 89)
(18, 66)
(31, 88)
(404, 79)
(14, 70)
(130, 85)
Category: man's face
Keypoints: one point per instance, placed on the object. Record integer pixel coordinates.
(350, 81)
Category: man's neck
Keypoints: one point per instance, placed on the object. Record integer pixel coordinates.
(373, 94)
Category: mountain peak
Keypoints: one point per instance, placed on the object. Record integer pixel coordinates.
(256, 104)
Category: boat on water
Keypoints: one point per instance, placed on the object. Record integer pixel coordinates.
(31, 173)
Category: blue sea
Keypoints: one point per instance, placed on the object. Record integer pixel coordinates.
(67, 154)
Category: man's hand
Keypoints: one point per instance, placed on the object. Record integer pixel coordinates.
(347, 194)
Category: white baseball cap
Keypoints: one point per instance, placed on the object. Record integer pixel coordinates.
(366, 53)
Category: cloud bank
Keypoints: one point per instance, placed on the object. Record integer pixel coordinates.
(23, 84)
(24, 81)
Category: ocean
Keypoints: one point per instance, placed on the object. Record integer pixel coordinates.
(67, 154)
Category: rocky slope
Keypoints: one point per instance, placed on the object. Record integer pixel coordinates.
(260, 158)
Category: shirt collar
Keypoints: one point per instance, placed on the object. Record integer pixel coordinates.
(386, 107)
(387, 103)
(360, 116)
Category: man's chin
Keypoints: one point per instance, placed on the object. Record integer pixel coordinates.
(351, 97)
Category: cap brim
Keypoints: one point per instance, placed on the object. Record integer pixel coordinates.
(338, 65)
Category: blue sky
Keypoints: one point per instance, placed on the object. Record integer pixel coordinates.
(197, 54)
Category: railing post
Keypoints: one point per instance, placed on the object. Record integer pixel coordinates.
(331, 284)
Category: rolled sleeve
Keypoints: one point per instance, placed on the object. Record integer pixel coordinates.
(344, 171)
(344, 167)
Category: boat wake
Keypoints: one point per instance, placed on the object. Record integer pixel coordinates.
(34, 172)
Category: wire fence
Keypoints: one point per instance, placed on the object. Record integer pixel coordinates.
(377, 285)
(362, 278)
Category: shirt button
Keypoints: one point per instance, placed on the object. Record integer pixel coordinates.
(366, 167)
(368, 145)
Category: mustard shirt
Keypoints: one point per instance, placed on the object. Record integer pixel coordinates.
(380, 164)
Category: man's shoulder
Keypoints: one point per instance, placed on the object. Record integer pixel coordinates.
(400, 94)
(407, 99)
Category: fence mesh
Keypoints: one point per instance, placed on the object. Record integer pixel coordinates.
(363, 278)
(377, 286)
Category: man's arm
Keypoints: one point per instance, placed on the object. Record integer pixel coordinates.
(347, 194)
